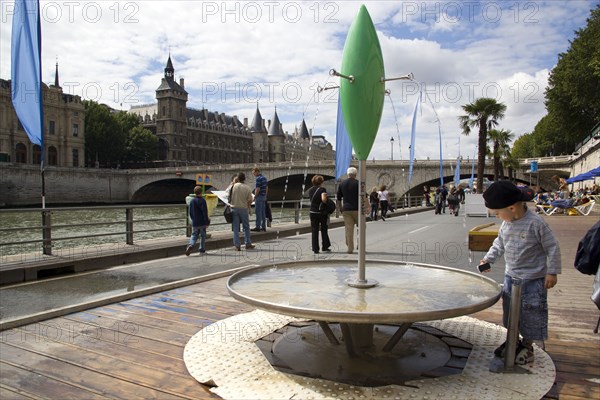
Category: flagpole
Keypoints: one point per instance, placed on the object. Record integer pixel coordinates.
(26, 75)
(43, 142)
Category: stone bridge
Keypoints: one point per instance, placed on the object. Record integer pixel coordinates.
(21, 184)
(289, 180)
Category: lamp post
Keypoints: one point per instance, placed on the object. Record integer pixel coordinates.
(392, 147)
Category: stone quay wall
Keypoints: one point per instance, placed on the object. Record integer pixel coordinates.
(21, 185)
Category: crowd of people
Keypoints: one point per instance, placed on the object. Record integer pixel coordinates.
(562, 197)
(241, 196)
(441, 198)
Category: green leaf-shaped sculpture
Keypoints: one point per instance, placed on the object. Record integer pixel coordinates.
(362, 98)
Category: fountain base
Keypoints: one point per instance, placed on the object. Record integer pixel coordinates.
(304, 349)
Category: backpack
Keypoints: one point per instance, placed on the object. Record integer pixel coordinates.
(587, 257)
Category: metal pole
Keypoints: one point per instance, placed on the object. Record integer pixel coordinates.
(512, 335)
(514, 315)
(129, 225)
(362, 222)
(361, 281)
(47, 232)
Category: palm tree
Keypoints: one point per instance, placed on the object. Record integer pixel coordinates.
(512, 163)
(484, 113)
(500, 140)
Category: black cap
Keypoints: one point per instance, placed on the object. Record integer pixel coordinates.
(502, 194)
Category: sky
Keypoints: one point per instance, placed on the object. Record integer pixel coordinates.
(237, 55)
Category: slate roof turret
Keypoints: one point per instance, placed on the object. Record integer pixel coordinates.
(304, 131)
(257, 122)
(275, 128)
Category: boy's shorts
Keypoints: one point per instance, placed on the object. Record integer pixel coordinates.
(533, 324)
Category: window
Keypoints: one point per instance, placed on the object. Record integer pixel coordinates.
(52, 158)
(51, 127)
(21, 153)
(37, 154)
(75, 130)
(75, 157)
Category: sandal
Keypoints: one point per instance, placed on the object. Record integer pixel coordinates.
(500, 350)
(524, 354)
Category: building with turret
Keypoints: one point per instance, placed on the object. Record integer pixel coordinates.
(64, 130)
(191, 136)
(186, 136)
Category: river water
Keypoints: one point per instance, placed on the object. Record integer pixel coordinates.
(82, 224)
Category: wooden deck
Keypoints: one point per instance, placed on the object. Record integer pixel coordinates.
(133, 349)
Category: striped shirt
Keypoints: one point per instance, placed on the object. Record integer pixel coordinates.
(529, 248)
(261, 185)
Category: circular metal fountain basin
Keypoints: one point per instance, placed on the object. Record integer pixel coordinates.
(407, 292)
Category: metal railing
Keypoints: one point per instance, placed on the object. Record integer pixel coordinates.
(126, 227)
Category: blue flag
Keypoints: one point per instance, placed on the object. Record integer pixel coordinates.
(343, 147)
(441, 160)
(472, 171)
(413, 132)
(26, 70)
(457, 170)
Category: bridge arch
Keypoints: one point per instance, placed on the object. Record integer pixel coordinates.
(164, 191)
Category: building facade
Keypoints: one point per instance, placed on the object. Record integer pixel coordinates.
(191, 136)
(187, 136)
(64, 129)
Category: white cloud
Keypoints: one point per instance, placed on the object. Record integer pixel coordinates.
(235, 54)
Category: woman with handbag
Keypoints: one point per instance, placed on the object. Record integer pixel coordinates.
(319, 215)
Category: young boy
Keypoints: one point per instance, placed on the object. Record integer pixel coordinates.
(531, 254)
(200, 221)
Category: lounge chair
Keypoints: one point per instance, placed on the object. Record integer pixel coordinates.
(584, 209)
(546, 209)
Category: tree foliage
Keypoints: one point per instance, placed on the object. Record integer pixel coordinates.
(142, 145)
(500, 139)
(523, 146)
(484, 114)
(104, 137)
(572, 96)
(113, 138)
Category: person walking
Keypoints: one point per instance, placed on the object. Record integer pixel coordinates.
(438, 200)
(200, 221)
(444, 196)
(347, 202)
(383, 201)
(426, 196)
(260, 200)
(374, 201)
(319, 215)
(453, 202)
(240, 198)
